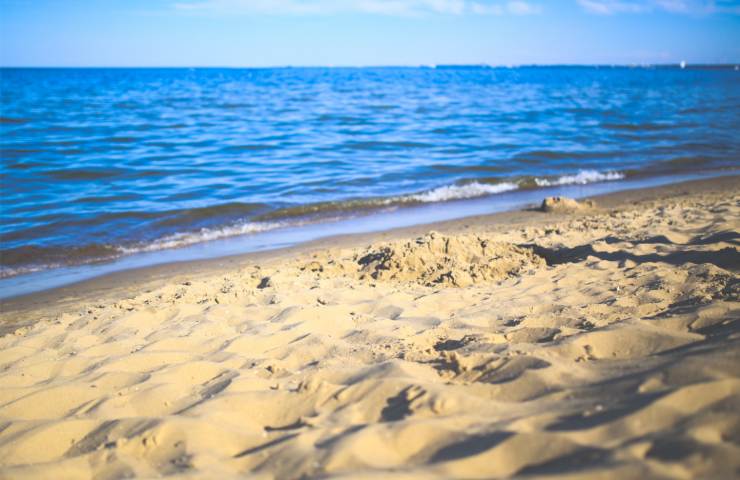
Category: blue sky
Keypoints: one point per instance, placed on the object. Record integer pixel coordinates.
(366, 32)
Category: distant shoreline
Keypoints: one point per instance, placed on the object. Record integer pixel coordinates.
(676, 65)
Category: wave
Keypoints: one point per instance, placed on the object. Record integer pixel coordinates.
(31, 258)
(384, 145)
(458, 192)
(248, 148)
(14, 120)
(28, 259)
(637, 127)
(311, 213)
(183, 239)
(245, 220)
(6, 272)
(188, 216)
(581, 178)
(82, 174)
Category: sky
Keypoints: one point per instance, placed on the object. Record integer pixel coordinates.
(259, 33)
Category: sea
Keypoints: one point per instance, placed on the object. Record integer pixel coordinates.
(126, 167)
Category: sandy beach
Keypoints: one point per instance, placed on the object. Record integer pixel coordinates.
(596, 340)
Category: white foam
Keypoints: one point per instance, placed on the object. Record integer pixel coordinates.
(581, 178)
(6, 272)
(454, 192)
(183, 239)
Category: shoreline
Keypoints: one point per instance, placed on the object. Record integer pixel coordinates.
(359, 222)
(601, 343)
(149, 277)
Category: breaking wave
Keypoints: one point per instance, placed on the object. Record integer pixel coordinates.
(246, 219)
(581, 178)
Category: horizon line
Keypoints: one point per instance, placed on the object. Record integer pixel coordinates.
(680, 64)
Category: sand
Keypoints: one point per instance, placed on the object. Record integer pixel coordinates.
(598, 342)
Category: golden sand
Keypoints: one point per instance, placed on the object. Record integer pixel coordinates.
(597, 343)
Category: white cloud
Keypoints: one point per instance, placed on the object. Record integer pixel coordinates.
(695, 7)
(486, 9)
(523, 8)
(380, 7)
(609, 7)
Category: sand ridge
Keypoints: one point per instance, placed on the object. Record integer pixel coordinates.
(603, 344)
(565, 205)
(435, 259)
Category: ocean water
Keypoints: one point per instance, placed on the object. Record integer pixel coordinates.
(98, 164)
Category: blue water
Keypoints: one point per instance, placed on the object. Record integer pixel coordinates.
(101, 164)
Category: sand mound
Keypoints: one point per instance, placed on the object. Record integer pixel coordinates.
(564, 205)
(436, 259)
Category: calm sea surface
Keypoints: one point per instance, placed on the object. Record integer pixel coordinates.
(100, 163)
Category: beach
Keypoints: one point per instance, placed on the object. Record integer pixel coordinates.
(598, 339)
